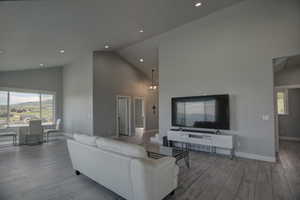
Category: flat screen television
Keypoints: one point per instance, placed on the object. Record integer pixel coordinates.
(210, 112)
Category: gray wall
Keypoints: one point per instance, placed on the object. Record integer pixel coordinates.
(113, 76)
(78, 96)
(231, 51)
(289, 125)
(47, 79)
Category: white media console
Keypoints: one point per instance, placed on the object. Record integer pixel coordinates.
(223, 141)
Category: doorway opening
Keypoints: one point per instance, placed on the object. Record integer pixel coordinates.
(123, 118)
(286, 72)
(139, 115)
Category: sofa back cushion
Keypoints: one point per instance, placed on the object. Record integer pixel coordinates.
(119, 147)
(85, 139)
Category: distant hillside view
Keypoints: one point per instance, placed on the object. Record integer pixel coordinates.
(191, 113)
(21, 113)
(190, 120)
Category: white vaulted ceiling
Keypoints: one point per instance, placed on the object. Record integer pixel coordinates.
(32, 32)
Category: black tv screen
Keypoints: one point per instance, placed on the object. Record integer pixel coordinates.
(211, 112)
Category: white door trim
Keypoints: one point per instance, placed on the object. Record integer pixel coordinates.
(129, 115)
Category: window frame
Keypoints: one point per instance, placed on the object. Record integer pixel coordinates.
(285, 101)
(40, 93)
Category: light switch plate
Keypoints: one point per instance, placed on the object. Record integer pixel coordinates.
(265, 117)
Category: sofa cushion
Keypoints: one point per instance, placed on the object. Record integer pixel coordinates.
(116, 146)
(85, 139)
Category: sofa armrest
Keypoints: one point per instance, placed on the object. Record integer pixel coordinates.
(153, 179)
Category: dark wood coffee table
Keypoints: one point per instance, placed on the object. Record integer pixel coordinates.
(159, 151)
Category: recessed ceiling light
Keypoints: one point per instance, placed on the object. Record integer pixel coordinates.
(141, 60)
(42, 65)
(62, 51)
(106, 46)
(198, 4)
(141, 31)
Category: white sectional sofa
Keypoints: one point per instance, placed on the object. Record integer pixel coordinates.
(123, 168)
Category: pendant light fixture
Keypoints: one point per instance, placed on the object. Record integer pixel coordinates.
(153, 86)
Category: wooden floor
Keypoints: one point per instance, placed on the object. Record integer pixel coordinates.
(44, 172)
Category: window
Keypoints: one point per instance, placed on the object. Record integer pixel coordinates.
(23, 107)
(3, 108)
(48, 108)
(282, 102)
(17, 108)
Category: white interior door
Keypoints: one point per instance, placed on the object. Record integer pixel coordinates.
(139, 112)
(123, 115)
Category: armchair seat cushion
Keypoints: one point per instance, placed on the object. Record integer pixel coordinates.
(51, 131)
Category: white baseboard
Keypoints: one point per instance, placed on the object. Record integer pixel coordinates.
(289, 138)
(255, 156)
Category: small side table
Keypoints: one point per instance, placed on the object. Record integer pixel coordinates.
(10, 134)
(158, 151)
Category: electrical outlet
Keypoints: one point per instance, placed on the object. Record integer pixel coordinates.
(265, 117)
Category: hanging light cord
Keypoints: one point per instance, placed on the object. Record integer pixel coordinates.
(152, 77)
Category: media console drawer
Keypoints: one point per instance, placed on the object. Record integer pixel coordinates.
(218, 141)
(200, 139)
(223, 141)
(174, 136)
